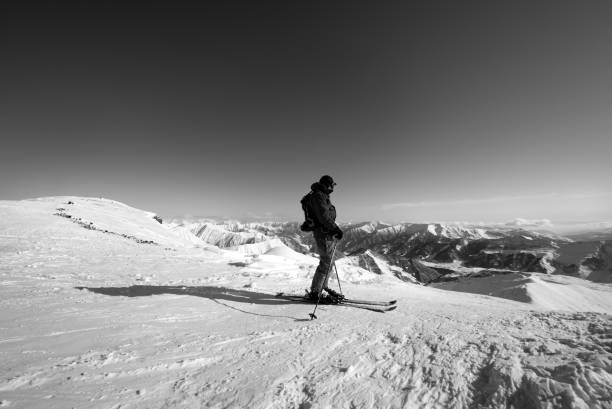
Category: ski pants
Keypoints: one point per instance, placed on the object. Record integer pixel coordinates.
(325, 246)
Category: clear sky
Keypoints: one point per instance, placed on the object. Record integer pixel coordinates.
(422, 111)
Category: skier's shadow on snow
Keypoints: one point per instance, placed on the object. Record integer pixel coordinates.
(216, 294)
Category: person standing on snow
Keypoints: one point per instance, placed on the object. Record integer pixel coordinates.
(322, 215)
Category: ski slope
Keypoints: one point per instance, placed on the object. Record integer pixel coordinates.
(108, 308)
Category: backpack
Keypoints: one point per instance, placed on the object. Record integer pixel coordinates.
(309, 222)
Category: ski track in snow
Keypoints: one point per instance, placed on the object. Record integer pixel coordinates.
(100, 321)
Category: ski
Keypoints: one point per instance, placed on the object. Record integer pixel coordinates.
(368, 302)
(366, 307)
(355, 301)
(347, 303)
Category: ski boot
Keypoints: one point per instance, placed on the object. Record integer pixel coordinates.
(334, 295)
(324, 299)
(312, 296)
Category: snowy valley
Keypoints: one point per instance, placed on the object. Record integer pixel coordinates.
(108, 306)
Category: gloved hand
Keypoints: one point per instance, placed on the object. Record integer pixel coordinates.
(337, 234)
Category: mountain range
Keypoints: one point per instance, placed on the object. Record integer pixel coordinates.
(432, 252)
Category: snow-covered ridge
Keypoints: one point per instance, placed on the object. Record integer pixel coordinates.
(226, 236)
(102, 217)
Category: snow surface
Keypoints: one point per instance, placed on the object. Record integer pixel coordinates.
(108, 308)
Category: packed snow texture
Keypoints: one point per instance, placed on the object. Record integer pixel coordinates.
(108, 308)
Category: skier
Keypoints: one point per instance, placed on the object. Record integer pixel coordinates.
(325, 230)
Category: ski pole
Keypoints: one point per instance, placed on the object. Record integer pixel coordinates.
(312, 315)
(338, 278)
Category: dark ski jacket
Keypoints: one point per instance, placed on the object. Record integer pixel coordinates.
(324, 212)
